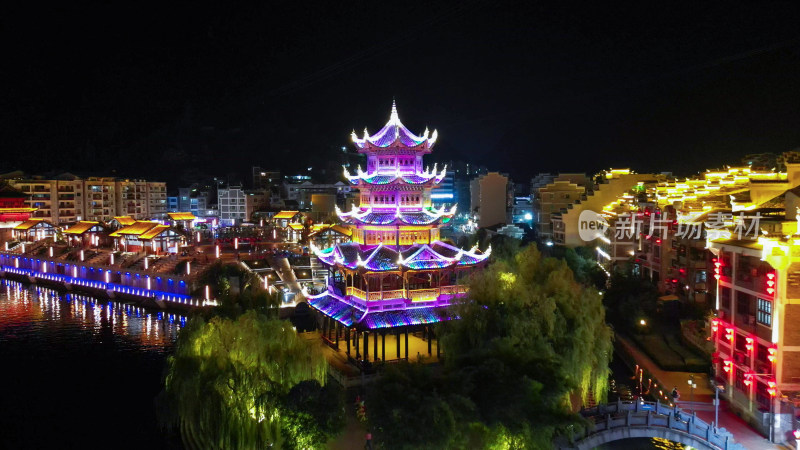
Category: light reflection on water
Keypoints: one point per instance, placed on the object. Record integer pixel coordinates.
(76, 370)
(37, 312)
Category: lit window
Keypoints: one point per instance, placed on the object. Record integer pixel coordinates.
(764, 314)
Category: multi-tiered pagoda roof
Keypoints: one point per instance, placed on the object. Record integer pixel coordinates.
(382, 258)
(396, 271)
(395, 133)
(376, 179)
(398, 216)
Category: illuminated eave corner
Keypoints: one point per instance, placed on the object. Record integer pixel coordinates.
(392, 133)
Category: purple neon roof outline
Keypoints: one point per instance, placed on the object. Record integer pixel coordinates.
(348, 315)
(394, 131)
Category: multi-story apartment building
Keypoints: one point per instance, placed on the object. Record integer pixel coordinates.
(141, 199)
(264, 179)
(71, 199)
(446, 195)
(552, 194)
(196, 200)
(612, 185)
(232, 205)
(756, 333)
(491, 199)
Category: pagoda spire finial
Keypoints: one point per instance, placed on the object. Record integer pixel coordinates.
(394, 117)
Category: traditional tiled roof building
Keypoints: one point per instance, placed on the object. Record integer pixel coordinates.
(395, 273)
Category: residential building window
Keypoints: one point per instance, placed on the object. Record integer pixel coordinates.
(764, 314)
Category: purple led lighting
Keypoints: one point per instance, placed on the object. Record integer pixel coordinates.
(394, 208)
(336, 309)
(411, 316)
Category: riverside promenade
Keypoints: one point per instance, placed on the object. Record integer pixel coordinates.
(741, 431)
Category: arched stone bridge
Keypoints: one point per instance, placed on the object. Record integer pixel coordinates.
(624, 420)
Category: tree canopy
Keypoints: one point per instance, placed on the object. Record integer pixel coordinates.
(233, 383)
(529, 345)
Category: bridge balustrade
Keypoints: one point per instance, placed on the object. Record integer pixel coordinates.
(651, 415)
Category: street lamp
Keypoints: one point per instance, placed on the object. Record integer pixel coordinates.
(693, 385)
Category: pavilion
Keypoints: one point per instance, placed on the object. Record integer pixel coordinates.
(326, 235)
(33, 230)
(143, 235)
(85, 230)
(121, 221)
(185, 219)
(396, 276)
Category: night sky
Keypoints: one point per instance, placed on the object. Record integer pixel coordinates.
(173, 90)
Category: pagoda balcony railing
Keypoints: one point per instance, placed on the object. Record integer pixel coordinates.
(387, 295)
(423, 295)
(356, 292)
(416, 295)
(458, 289)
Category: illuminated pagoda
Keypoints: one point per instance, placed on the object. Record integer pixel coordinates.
(395, 276)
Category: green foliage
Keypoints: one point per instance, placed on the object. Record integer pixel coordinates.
(228, 382)
(504, 247)
(583, 265)
(528, 339)
(628, 300)
(312, 414)
(410, 407)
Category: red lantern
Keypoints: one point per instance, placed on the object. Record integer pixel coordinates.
(772, 390)
(771, 283)
(772, 354)
(729, 333)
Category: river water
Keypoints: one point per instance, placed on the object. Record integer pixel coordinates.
(78, 372)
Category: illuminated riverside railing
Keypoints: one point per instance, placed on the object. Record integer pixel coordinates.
(175, 284)
(114, 287)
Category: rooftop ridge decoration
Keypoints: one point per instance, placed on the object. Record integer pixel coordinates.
(382, 179)
(395, 133)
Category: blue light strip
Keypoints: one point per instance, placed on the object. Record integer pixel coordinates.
(159, 295)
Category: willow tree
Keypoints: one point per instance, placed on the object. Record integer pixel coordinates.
(228, 380)
(529, 339)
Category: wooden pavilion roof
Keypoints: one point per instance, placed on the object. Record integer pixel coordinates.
(81, 227)
(181, 216)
